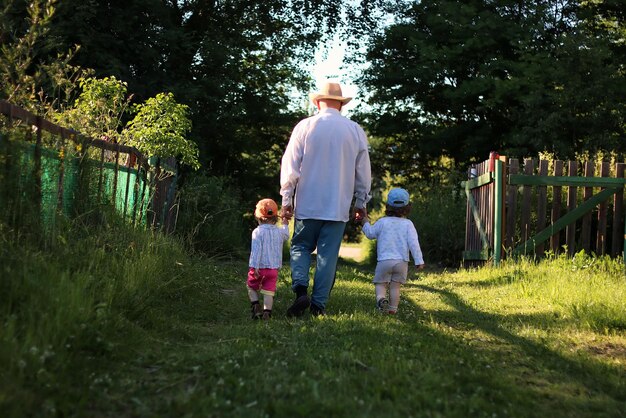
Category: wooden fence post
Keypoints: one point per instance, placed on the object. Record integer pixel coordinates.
(526, 194)
(602, 211)
(498, 212)
(557, 197)
(542, 204)
(618, 216)
(38, 171)
(511, 206)
(570, 232)
(115, 173)
(587, 193)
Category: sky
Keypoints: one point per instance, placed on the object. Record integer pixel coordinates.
(329, 68)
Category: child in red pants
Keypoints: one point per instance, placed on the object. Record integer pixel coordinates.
(266, 258)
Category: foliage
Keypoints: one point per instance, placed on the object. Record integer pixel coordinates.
(98, 111)
(211, 221)
(240, 66)
(159, 128)
(27, 79)
(461, 80)
(114, 322)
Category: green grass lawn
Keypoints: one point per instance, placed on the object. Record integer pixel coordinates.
(522, 340)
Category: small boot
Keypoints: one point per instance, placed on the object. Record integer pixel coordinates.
(256, 310)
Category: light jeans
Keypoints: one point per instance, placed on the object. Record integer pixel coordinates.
(308, 235)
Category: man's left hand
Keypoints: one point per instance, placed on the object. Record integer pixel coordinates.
(360, 214)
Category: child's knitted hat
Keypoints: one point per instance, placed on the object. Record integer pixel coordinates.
(266, 208)
(398, 198)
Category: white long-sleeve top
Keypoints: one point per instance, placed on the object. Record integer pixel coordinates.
(267, 246)
(326, 164)
(395, 238)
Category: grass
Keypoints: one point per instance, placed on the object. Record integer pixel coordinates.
(124, 324)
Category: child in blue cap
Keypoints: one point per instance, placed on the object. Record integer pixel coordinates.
(396, 237)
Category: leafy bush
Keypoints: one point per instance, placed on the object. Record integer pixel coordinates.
(439, 217)
(211, 219)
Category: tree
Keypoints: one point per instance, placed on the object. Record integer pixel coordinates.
(237, 64)
(99, 110)
(460, 79)
(30, 76)
(159, 128)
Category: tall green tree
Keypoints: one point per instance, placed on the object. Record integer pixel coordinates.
(32, 76)
(99, 109)
(237, 64)
(460, 79)
(159, 128)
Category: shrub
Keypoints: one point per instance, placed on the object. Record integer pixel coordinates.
(210, 217)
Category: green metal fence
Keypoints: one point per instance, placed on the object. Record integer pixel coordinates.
(47, 171)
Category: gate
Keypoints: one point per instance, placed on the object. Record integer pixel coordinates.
(543, 206)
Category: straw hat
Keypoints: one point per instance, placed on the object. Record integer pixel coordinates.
(329, 91)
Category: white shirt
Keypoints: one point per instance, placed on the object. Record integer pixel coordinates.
(395, 238)
(267, 246)
(326, 164)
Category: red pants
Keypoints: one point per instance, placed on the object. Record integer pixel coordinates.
(265, 282)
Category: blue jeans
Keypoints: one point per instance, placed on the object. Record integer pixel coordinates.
(326, 236)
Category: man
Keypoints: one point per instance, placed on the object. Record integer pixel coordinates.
(326, 165)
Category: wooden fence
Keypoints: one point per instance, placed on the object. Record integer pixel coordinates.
(543, 206)
(47, 169)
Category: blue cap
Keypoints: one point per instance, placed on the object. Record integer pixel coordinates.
(398, 198)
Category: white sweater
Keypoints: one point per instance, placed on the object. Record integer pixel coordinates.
(395, 238)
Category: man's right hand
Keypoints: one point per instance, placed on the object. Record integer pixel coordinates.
(286, 213)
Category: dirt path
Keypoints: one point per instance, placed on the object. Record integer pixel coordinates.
(354, 253)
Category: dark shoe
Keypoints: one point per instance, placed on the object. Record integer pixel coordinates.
(383, 305)
(299, 306)
(267, 315)
(317, 311)
(256, 311)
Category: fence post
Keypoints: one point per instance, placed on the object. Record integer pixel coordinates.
(570, 231)
(62, 159)
(602, 212)
(101, 176)
(542, 203)
(529, 168)
(618, 211)
(116, 173)
(557, 194)
(499, 198)
(585, 234)
(511, 203)
(38, 171)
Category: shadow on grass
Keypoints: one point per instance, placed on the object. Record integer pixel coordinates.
(555, 367)
(356, 362)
